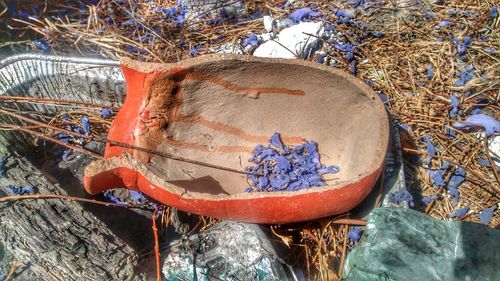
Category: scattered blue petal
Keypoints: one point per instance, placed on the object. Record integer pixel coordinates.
(321, 58)
(109, 194)
(179, 20)
(303, 13)
(348, 48)
(343, 15)
(22, 190)
(430, 149)
(106, 112)
(279, 167)
(42, 45)
(486, 163)
(459, 213)
(398, 197)
(360, 3)
(428, 199)
(137, 197)
(64, 138)
(437, 176)
(128, 22)
(493, 12)
(85, 125)
(443, 24)
(454, 106)
(462, 45)
(487, 214)
(430, 71)
(355, 234)
(354, 66)
(66, 154)
(193, 52)
(465, 76)
(489, 124)
(276, 142)
(252, 40)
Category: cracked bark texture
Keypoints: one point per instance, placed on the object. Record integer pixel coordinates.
(56, 239)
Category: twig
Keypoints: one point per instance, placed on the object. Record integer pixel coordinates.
(344, 253)
(173, 157)
(14, 265)
(42, 135)
(54, 101)
(66, 197)
(349, 221)
(157, 247)
(41, 124)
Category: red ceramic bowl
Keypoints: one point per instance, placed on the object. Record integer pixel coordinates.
(216, 109)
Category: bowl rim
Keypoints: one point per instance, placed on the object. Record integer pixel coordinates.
(127, 161)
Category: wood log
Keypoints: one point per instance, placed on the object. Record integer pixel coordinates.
(56, 239)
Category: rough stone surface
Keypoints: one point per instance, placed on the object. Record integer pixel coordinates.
(292, 42)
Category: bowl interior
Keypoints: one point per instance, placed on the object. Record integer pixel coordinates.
(217, 111)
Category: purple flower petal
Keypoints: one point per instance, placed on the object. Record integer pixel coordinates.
(303, 13)
(490, 125)
(22, 190)
(398, 197)
(284, 168)
(109, 194)
(86, 125)
(355, 234)
(321, 58)
(252, 40)
(437, 176)
(276, 142)
(443, 24)
(106, 112)
(486, 215)
(430, 148)
(430, 71)
(459, 213)
(137, 197)
(428, 199)
(493, 12)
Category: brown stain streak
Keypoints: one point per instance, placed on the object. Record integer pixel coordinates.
(188, 74)
(235, 131)
(153, 138)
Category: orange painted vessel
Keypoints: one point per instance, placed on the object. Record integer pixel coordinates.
(216, 109)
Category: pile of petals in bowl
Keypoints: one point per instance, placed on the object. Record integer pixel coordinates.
(278, 167)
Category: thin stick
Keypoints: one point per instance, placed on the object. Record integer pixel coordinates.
(42, 135)
(33, 121)
(55, 101)
(157, 247)
(344, 253)
(349, 221)
(173, 157)
(14, 265)
(65, 197)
